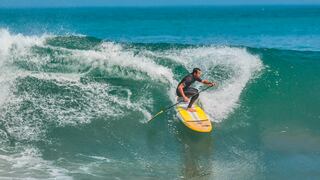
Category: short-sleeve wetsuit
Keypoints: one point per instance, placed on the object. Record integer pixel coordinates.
(189, 91)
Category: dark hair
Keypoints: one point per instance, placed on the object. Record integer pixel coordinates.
(195, 70)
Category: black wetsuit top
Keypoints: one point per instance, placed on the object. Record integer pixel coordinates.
(187, 81)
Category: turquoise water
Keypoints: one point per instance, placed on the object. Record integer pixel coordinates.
(79, 84)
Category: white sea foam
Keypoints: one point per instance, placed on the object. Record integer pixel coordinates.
(13, 46)
(110, 55)
(97, 99)
(26, 164)
(237, 64)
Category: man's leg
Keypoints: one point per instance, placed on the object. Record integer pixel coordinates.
(191, 92)
(193, 99)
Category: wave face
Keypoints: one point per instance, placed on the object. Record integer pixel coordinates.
(76, 107)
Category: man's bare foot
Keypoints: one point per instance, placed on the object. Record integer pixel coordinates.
(191, 110)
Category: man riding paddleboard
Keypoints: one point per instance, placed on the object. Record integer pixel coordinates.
(185, 91)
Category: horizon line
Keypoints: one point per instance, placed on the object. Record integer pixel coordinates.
(155, 6)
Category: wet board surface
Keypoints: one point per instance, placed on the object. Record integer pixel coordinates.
(196, 121)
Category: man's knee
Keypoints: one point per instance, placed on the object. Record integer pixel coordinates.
(194, 96)
(195, 92)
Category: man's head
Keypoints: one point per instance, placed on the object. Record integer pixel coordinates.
(196, 72)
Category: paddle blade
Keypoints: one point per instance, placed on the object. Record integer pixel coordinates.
(156, 115)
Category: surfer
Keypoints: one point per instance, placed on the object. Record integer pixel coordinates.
(185, 91)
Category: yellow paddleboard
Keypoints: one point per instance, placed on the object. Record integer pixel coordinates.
(196, 121)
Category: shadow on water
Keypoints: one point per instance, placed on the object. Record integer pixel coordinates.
(196, 155)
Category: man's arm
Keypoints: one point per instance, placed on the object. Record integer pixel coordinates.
(208, 82)
(180, 88)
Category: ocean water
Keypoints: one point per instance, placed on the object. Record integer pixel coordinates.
(77, 86)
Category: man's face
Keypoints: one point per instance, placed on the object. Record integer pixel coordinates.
(197, 74)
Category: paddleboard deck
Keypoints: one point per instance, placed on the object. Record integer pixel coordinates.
(196, 121)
